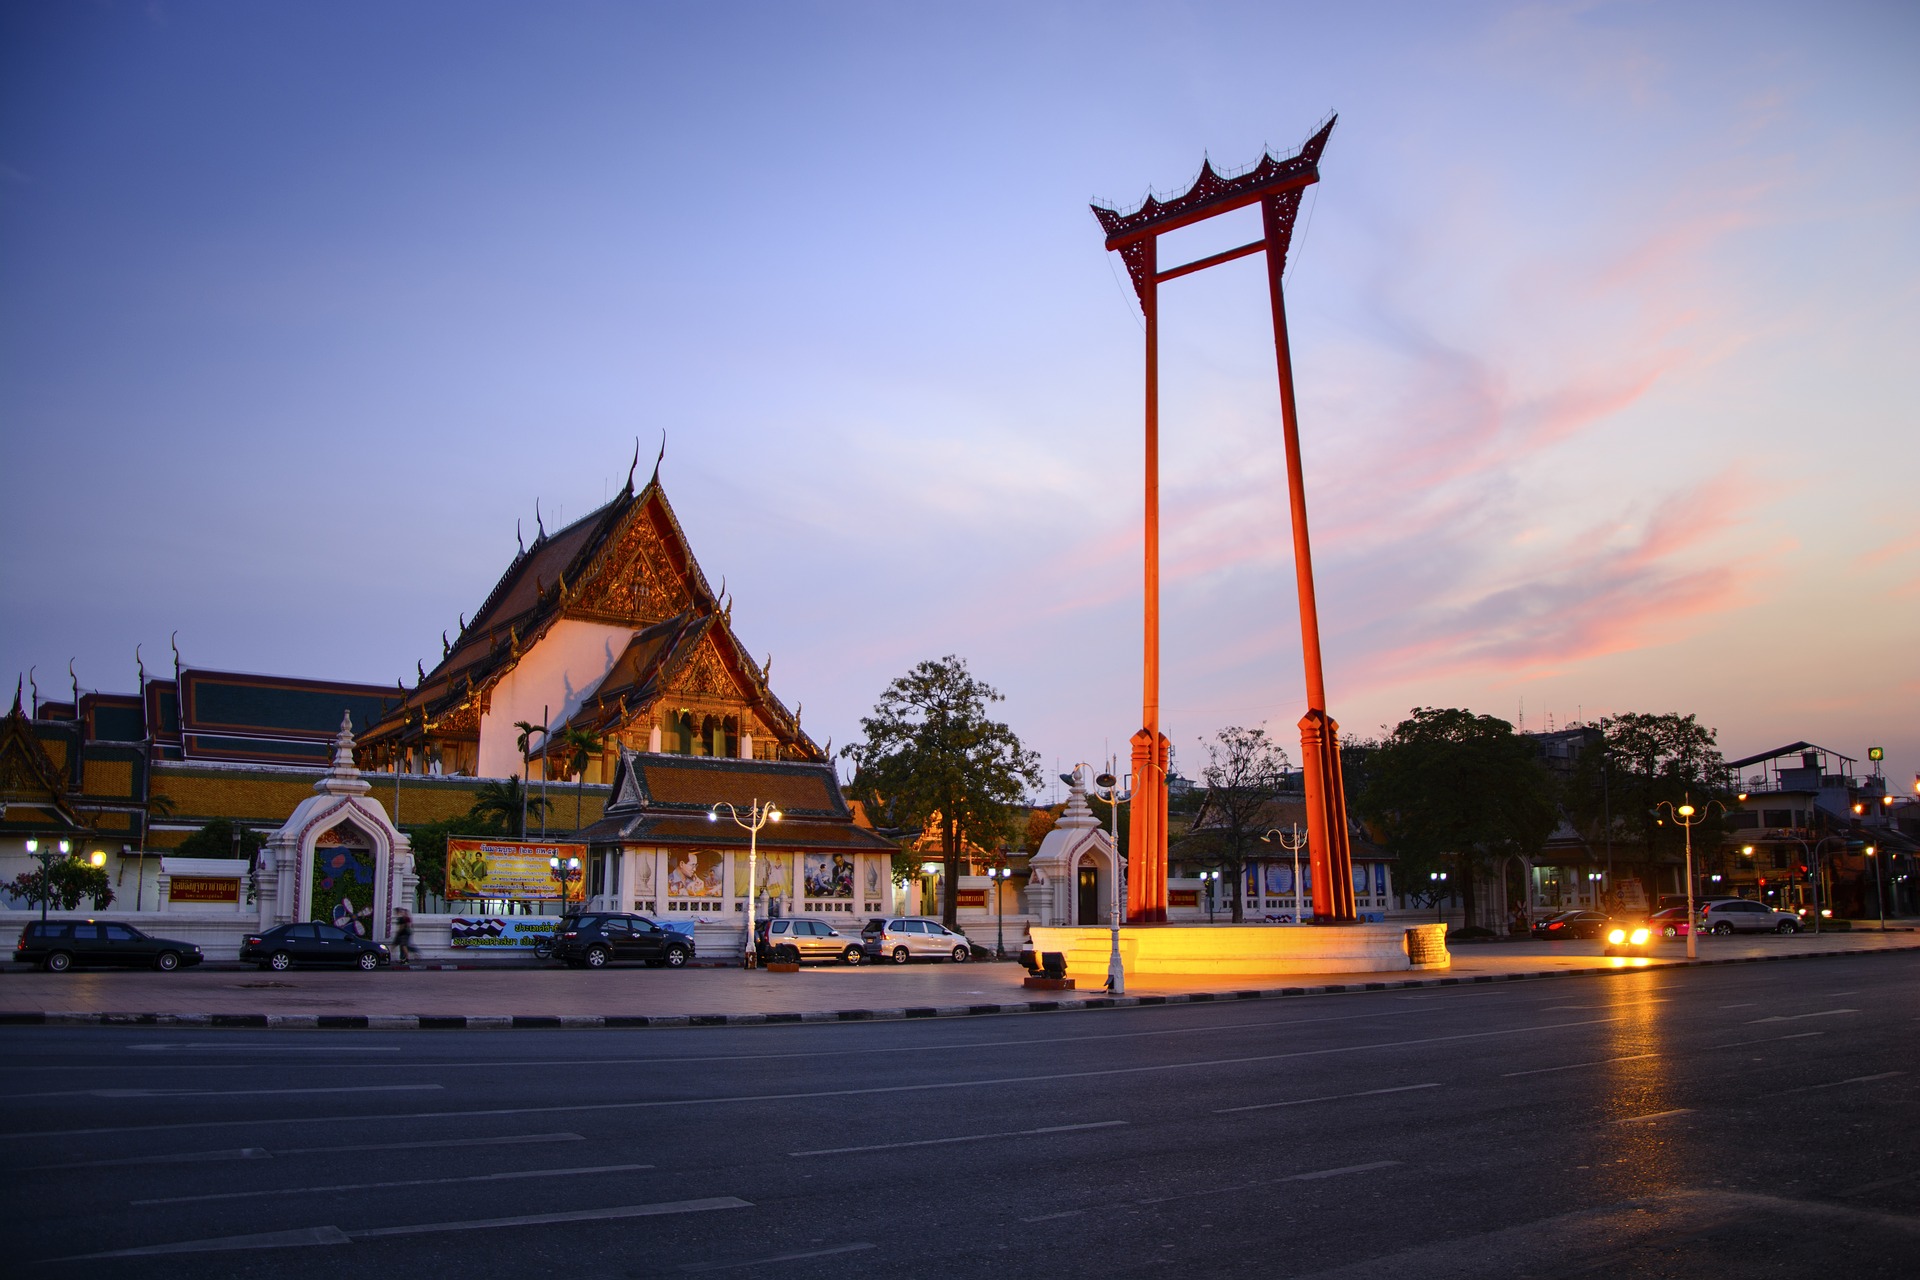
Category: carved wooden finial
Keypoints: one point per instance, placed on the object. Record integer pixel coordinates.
(445, 648)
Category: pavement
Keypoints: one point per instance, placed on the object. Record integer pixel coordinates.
(1733, 1120)
(522, 997)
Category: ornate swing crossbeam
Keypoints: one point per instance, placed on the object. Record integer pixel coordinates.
(1276, 185)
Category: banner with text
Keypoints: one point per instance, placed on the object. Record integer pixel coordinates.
(516, 869)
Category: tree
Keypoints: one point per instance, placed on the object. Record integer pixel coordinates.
(1451, 789)
(527, 729)
(216, 840)
(63, 883)
(502, 805)
(1641, 760)
(580, 746)
(931, 750)
(1243, 775)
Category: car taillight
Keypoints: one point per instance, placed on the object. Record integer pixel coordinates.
(570, 934)
(253, 941)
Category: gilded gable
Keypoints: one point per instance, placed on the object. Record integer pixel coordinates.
(635, 581)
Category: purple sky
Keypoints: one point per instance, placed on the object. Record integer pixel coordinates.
(1604, 317)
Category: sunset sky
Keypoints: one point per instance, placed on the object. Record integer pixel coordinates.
(1604, 319)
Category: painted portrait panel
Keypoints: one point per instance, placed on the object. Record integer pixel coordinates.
(694, 874)
(829, 875)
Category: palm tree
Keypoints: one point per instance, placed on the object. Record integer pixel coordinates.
(527, 729)
(500, 804)
(581, 746)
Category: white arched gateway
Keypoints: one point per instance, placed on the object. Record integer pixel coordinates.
(338, 858)
(1073, 870)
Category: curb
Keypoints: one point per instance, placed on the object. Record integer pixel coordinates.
(596, 1022)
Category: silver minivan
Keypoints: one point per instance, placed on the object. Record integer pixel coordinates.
(904, 938)
(1744, 915)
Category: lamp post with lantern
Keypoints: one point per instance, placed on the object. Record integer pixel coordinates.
(46, 860)
(1293, 839)
(1437, 885)
(758, 815)
(1688, 817)
(563, 870)
(999, 877)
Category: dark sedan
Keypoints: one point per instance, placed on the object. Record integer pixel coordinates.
(59, 945)
(1571, 924)
(312, 942)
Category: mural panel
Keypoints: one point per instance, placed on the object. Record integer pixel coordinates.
(829, 875)
(695, 874)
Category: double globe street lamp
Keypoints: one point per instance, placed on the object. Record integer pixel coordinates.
(757, 816)
(565, 870)
(1688, 817)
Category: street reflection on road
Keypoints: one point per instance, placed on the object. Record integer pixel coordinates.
(1638, 1156)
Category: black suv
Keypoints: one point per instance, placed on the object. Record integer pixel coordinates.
(58, 945)
(597, 940)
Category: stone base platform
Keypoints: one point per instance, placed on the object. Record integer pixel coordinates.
(1248, 950)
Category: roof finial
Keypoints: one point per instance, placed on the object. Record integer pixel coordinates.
(76, 688)
(636, 463)
(517, 538)
(445, 648)
(19, 686)
(542, 535)
(421, 667)
(141, 667)
(662, 458)
(35, 686)
(766, 670)
(174, 641)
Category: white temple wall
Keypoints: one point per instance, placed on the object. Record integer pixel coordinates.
(558, 674)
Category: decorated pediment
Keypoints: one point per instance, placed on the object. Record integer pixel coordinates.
(634, 580)
(704, 674)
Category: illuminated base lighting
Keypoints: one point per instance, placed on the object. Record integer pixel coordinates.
(1246, 950)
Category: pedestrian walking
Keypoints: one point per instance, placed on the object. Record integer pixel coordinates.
(402, 938)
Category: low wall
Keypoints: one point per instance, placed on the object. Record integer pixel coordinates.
(1248, 950)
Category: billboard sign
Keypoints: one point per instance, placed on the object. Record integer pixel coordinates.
(513, 869)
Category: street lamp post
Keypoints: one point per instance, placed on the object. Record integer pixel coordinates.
(46, 861)
(1293, 840)
(1437, 881)
(1879, 893)
(1116, 968)
(999, 876)
(758, 816)
(1210, 879)
(563, 870)
(1688, 817)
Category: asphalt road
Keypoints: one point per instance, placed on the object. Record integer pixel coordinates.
(1736, 1121)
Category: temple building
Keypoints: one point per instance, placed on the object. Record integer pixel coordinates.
(606, 628)
(604, 631)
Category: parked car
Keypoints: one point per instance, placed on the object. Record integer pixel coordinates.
(1670, 922)
(58, 945)
(312, 942)
(904, 938)
(599, 939)
(1744, 915)
(1571, 924)
(799, 940)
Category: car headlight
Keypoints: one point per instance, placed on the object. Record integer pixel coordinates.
(1639, 937)
(1617, 937)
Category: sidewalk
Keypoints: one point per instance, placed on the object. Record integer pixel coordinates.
(430, 998)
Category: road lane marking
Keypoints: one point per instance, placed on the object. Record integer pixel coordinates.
(1655, 1115)
(1881, 1185)
(971, 1137)
(1741, 1044)
(181, 1046)
(1748, 1005)
(859, 1246)
(1835, 1084)
(1572, 1066)
(307, 1236)
(1049, 1217)
(651, 1104)
(262, 1153)
(1795, 1017)
(1313, 1176)
(1334, 1097)
(506, 1176)
(227, 1093)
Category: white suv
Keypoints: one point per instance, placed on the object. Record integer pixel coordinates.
(1744, 915)
(905, 938)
